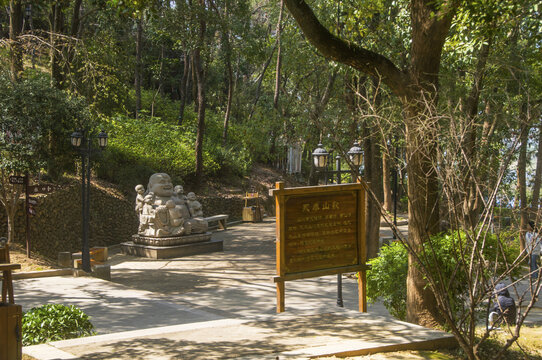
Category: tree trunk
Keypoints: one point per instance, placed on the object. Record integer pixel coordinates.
(138, 65)
(76, 18)
(386, 182)
(279, 58)
(469, 144)
(56, 50)
(423, 216)
(522, 185)
(183, 87)
(229, 72)
(535, 202)
(15, 28)
(200, 79)
(260, 80)
(373, 175)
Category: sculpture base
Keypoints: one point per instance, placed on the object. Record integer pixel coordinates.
(170, 241)
(169, 252)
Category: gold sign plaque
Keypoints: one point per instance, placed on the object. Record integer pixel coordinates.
(320, 232)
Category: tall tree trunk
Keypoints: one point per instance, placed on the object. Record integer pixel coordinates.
(229, 72)
(15, 49)
(279, 58)
(76, 18)
(535, 201)
(386, 182)
(522, 181)
(260, 80)
(200, 78)
(56, 50)
(469, 144)
(138, 65)
(373, 175)
(183, 87)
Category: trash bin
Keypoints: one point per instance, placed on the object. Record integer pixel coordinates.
(252, 213)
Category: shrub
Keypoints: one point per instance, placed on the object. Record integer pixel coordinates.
(386, 280)
(54, 322)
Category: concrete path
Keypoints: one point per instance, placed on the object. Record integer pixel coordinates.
(218, 305)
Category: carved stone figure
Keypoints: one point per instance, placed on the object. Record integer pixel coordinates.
(140, 198)
(164, 211)
(196, 210)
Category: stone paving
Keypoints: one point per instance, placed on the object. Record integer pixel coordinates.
(217, 305)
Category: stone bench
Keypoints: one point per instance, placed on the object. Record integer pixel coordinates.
(221, 219)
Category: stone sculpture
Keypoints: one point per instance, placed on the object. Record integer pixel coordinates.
(164, 210)
(194, 206)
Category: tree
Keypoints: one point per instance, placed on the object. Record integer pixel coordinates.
(417, 88)
(32, 112)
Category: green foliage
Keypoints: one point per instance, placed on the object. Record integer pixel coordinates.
(35, 122)
(447, 258)
(53, 322)
(139, 147)
(154, 104)
(386, 280)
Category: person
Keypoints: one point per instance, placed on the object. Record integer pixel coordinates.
(504, 307)
(533, 245)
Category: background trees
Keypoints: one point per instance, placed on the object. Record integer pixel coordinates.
(205, 88)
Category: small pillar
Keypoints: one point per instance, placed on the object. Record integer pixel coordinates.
(102, 272)
(64, 259)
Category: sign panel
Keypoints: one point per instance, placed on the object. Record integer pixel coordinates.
(31, 210)
(15, 179)
(32, 201)
(43, 189)
(320, 231)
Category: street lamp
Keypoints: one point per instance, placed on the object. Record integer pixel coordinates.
(355, 154)
(81, 140)
(320, 158)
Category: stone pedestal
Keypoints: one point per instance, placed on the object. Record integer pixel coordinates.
(173, 247)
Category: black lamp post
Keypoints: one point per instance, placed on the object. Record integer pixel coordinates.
(81, 140)
(320, 157)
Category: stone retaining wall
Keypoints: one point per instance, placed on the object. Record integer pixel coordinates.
(57, 225)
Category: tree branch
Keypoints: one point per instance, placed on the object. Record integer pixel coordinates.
(339, 50)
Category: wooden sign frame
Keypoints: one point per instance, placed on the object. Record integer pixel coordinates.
(320, 231)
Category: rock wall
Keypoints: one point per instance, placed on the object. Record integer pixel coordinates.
(57, 226)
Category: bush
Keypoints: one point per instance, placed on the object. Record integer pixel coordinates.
(386, 280)
(54, 322)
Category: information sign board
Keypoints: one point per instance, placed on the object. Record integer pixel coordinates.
(320, 231)
(16, 179)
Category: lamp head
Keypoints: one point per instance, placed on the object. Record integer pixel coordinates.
(355, 154)
(102, 139)
(76, 139)
(320, 156)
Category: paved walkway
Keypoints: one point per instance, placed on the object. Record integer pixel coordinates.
(218, 305)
